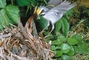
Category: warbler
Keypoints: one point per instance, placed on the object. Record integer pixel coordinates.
(54, 11)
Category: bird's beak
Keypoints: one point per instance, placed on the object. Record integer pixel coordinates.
(38, 11)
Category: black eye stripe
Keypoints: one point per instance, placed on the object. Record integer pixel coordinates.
(42, 11)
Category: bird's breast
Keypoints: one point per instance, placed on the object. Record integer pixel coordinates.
(53, 16)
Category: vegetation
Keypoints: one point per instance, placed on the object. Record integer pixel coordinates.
(70, 36)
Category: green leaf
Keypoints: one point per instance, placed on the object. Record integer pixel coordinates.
(66, 57)
(61, 38)
(71, 51)
(58, 53)
(53, 48)
(1, 19)
(43, 22)
(82, 48)
(65, 26)
(4, 20)
(23, 2)
(78, 37)
(65, 48)
(72, 41)
(57, 26)
(56, 42)
(13, 13)
(2, 3)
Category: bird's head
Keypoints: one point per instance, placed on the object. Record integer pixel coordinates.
(42, 10)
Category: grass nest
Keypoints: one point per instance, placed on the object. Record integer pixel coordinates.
(18, 43)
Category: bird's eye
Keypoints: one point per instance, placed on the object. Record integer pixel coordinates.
(42, 11)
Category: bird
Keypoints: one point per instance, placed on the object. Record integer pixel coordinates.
(54, 11)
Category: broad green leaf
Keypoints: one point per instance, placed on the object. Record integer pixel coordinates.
(58, 53)
(58, 47)
(1, 19)
(2, 3)
(71, 51)
(13, 13)
(53, 48)
(66, 57)
(77, 50)
(57, 26)
(61, 38)
(56, 42)
(82, 48)
(72, 41)
(65, 48)
(78, 37)
(43, 23)
(65, 26)
(4, 20)
(23, 2)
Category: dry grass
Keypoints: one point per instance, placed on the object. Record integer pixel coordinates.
(16, 43)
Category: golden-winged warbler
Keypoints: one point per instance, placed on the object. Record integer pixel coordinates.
(54, 11)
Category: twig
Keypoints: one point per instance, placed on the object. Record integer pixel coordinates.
(5, 35)
(34, 29)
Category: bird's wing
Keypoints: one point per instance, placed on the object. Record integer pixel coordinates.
(64, 6)
(54, 3)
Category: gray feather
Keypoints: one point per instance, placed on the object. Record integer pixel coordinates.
(54, 2)
(64, 6)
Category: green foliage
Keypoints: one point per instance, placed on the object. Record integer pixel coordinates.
(58, 25)
(65, 47)
(23, 2)
(2, 3)
(26, 2)
(63, 23)
(58, 53)
(9, 10)
(42, 22)
(81, 47)
(72, 41)
(4, 20)
(65, 26)
(8, 14)
(66, 57)
(71, 51)
(12, 12)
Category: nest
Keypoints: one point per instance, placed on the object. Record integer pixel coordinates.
(18, 43)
